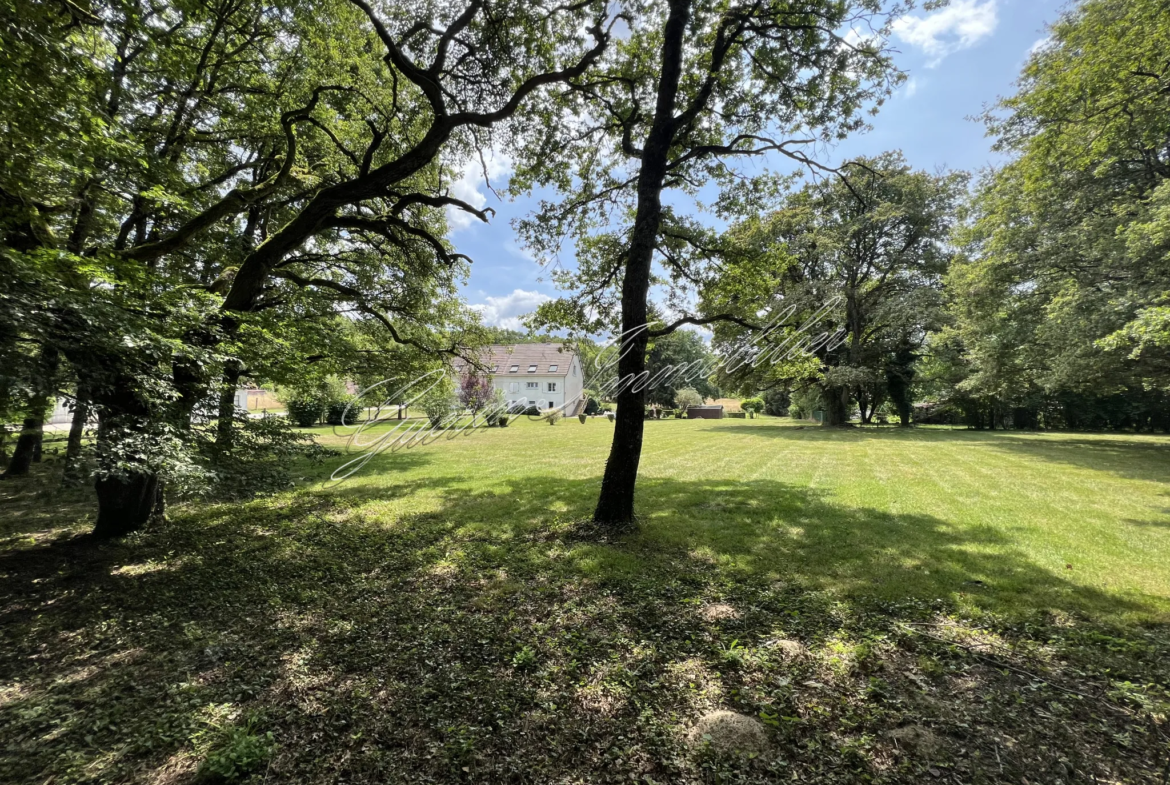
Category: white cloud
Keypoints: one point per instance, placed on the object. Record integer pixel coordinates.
(470, 187)
(1040, 45)
(506, 311)
(960, 25)
(911, 88)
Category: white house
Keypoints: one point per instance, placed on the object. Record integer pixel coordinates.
(546, 375)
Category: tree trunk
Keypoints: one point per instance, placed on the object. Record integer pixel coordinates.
(903, 407)
(868, 405)
(73, 446)
(130, 494)
(836, 402)
(125, 503)
(615, 505)
(24, 455)
(226, 416)
(28, 446)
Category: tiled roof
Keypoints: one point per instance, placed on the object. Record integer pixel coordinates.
(525, 355)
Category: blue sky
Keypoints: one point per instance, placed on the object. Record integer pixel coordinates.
(959, 59)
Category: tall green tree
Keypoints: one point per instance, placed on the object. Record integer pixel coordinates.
(682, 349)
(226, 172)
(1065, 285)
(862, 256)
(693, 87)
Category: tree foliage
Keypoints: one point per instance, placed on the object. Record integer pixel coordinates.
(858, 260)
(694, 88)
(1062, 295)
(196, 193)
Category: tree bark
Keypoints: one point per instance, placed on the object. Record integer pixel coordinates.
(226, 416)
(128, 496)
(615, 504)
(76, 432)
(836, 402)
(24, 455)
(28, 446)
(125, 503)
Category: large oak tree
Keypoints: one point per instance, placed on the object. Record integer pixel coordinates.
(692, 88)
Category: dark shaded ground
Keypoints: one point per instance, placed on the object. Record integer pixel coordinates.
(489, 641)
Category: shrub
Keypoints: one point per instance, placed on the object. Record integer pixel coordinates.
(687, 397)
(337, 410)
(804, 404)
(305, 412)
(438, 402)
(752, 405)
(553, 416)
(438, 409)
(496, 408)
(592, 406)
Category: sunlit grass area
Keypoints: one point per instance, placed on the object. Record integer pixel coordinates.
(894, 605)
(1007, 521)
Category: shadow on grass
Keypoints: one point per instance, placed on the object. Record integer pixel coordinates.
(485, 641)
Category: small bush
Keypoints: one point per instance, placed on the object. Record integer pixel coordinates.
(553, 416)
(686, 398)
(496, 409)
(305, 412)
(752, 405)
(438, 402)
(336, 411)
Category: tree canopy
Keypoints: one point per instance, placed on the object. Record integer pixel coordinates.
(1062, 295)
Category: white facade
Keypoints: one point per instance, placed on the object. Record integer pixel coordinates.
(545, 375)
(546, 391)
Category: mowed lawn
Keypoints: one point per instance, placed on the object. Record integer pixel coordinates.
(892, 606)
(1010, 521)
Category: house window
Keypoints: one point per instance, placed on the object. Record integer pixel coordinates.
(552, 368)
(533, 385)
(532, 369)
(514, 387)
(552, 386)
(573, 368)
(514, 369)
